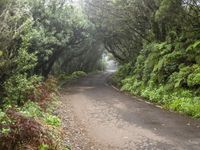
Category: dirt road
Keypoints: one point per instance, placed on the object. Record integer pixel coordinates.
(111, 120)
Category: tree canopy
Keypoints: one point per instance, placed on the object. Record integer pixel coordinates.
(155, 42)
(46, 36)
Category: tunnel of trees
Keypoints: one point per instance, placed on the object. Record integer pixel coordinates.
(155, 42)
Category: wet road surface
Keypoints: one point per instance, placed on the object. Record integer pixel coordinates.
(122, 122)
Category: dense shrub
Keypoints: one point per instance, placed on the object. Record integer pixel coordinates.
(18, 87)
(164, 76)
(33, 110)
(22, 131)
(44, 92)
(29, 126)
(65, 78)
(122, 72)
(39, 38)
(78, 74)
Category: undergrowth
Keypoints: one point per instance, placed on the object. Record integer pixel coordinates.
(165, 73)
(27, 114)
(31, 124)
(66, 78)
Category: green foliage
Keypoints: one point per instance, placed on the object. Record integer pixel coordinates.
(121, 74)
(180, 100)
(19, 86)
(194, 46)
(53, 120)
(25, 130)
(78, 74)
(168, 8)
(186, 105)
(1, 53)
(155, 41)
(20, 82)
(5, 122)
(132, 85)
(187, 75)
(163, 75)
(39, 38)
(51, 84)
(177, 79)
(44, 147)
(32, 109)
(194, 78)
(70, 77)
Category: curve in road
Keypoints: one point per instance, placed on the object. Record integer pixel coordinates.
(123, 122)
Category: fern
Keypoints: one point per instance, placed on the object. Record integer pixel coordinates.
(193, 46)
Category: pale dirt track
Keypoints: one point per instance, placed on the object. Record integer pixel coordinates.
(96, 116)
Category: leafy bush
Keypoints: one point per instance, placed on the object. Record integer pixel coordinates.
(5, 122)
(18, 87)
(20, 82)
(194, 78)
(65, 78)
(44, 147)
(23, 130)
(178, 79)
(186, 105)
(78, 74)
(33, 110)
(44, 92)
(121, 74)
(51, 84)
(52, 120)
(162, 75)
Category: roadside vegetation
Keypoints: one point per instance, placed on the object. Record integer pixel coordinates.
(42, 43)
(157, 43)
(45, 43)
